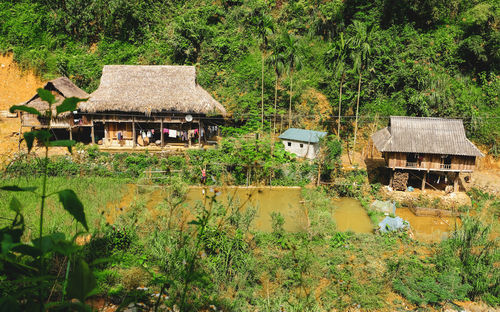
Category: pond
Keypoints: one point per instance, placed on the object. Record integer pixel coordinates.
(428, 228)
(349, 215)
(284, 200)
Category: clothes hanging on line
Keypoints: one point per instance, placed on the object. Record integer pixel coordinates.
(172, 133)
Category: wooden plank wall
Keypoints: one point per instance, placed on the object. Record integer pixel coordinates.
(432, 161)
(396, 160)
(463, 163)
(114, 127)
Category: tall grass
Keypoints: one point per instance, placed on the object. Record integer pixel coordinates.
(95, 194)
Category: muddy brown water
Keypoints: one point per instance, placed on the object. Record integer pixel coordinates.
(285, 200)
(349, 215)
(428, 228)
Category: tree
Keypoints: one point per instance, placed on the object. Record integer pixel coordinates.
(264, 27)
(361, 50)
(339, 53)
(293, 60)
(276, 59)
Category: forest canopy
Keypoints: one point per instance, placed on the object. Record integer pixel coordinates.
(406, 57)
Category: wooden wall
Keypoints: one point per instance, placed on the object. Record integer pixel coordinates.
(31, 120)
(431, 161)
(114, 127)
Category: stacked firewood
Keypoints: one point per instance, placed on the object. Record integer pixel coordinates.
(400, 180)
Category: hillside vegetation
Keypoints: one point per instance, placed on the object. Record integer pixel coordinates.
(408, 57)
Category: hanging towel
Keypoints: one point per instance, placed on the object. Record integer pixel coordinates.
(165, 130)
(149, 134)
(172, 133)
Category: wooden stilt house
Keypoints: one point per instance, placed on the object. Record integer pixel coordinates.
(151, 106)
(67, 124)
(421, 146)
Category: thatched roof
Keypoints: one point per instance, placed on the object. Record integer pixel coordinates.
(424, 135)
(151, 89)
(62, 88)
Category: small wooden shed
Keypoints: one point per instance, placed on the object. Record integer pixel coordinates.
(164, 102)
(426, 144)
(66, 122)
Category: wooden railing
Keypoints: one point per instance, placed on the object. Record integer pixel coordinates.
(445, 166)
(411, 164)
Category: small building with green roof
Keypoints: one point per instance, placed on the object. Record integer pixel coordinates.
(301, 142)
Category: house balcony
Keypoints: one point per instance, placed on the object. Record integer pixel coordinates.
(411, 165)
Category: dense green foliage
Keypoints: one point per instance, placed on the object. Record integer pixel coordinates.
(237, 161)
(422, 58)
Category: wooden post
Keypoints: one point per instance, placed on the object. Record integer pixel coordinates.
(455, 183)
(70, 133)
(319, 174)
(161, 132)
(92, 132)
(20, 135)
(392, 178)
(199, 133)
(423, 181)
(133, 132)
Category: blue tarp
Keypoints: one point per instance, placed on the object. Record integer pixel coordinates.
(390, 224)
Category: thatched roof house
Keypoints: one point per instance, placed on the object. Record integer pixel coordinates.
(151, 89)
(424, 135)
(62, 88)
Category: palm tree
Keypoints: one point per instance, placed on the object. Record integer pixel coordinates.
(264, 27)
(339, 52)
(276, 60)
(361, 51)
(293, 60)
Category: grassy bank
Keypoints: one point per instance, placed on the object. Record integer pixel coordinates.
(94, 192)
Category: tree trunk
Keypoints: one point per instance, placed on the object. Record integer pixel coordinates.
(318, 180)
(340, 104)
(357, 111)
(290, 104)
(275, 101)
(262, 93)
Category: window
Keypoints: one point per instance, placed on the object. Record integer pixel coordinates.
(301, 145)
(289, 143)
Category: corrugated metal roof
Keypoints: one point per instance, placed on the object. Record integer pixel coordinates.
(302, 135)
(425, 135)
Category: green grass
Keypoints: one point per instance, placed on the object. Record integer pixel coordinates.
(94, 192)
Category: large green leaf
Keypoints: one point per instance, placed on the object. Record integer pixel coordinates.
(43, 136)
(66, 143)
(73, 205)
(68, 105)
(46, 96)
(81, 281)
(29, 137)
(15, 188)
(15, 205)
(24, 108)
